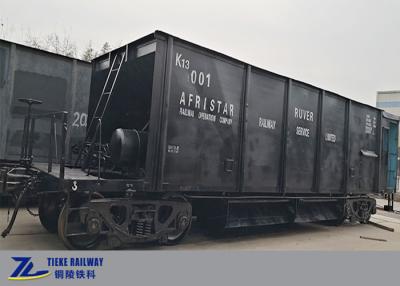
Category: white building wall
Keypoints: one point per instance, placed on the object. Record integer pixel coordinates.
(389, 101)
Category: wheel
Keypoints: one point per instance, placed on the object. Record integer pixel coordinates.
(183, 222)
(363, 212)
(81, 242)
(365, 220)
(180, 234)
(49, 210)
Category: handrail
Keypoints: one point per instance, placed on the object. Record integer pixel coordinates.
(98, 131)
(62, 154)
(58, 114)
(99, 123)
(51, 142)
(28, 140)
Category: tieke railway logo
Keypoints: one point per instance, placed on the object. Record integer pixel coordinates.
(25, 271)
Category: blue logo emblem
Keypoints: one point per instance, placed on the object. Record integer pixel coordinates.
(24, 270)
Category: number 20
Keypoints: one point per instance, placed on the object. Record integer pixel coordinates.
(80, 119)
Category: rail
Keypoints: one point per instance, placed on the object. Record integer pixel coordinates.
(28, 141)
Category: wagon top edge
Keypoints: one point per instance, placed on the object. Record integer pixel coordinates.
(6, 42)
(164, 36)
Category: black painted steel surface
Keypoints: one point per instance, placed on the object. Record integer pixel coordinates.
(62, 83)
(216, 124)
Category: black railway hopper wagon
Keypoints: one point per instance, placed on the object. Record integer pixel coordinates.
(177, 131)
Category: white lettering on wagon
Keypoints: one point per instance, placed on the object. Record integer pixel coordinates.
(207, 116)
(266, 123)
(186, 112)
(181, 62)
(370, 124)
(203, 103)
(208, 109)
(302, 131)
(303, 114)
(330, 137)
(201, 107)
(173, 149)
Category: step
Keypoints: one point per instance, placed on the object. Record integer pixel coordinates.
(11, 183)
(13, 175)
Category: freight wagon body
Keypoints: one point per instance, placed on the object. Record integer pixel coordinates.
(219, 125)
(176, 130)
(61, 83)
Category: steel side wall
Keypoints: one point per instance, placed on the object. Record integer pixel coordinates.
(61, 82)
(268, 152)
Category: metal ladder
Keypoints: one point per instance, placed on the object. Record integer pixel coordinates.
(101, 107)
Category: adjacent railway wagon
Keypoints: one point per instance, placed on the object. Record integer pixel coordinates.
(176, 130)
(59, 82)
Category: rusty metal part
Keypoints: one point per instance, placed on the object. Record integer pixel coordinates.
(373, 238)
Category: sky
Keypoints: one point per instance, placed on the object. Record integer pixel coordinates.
(348, 47)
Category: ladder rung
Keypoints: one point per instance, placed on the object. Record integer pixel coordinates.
(100, 109)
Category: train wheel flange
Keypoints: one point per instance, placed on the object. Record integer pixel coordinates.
(183, 222)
